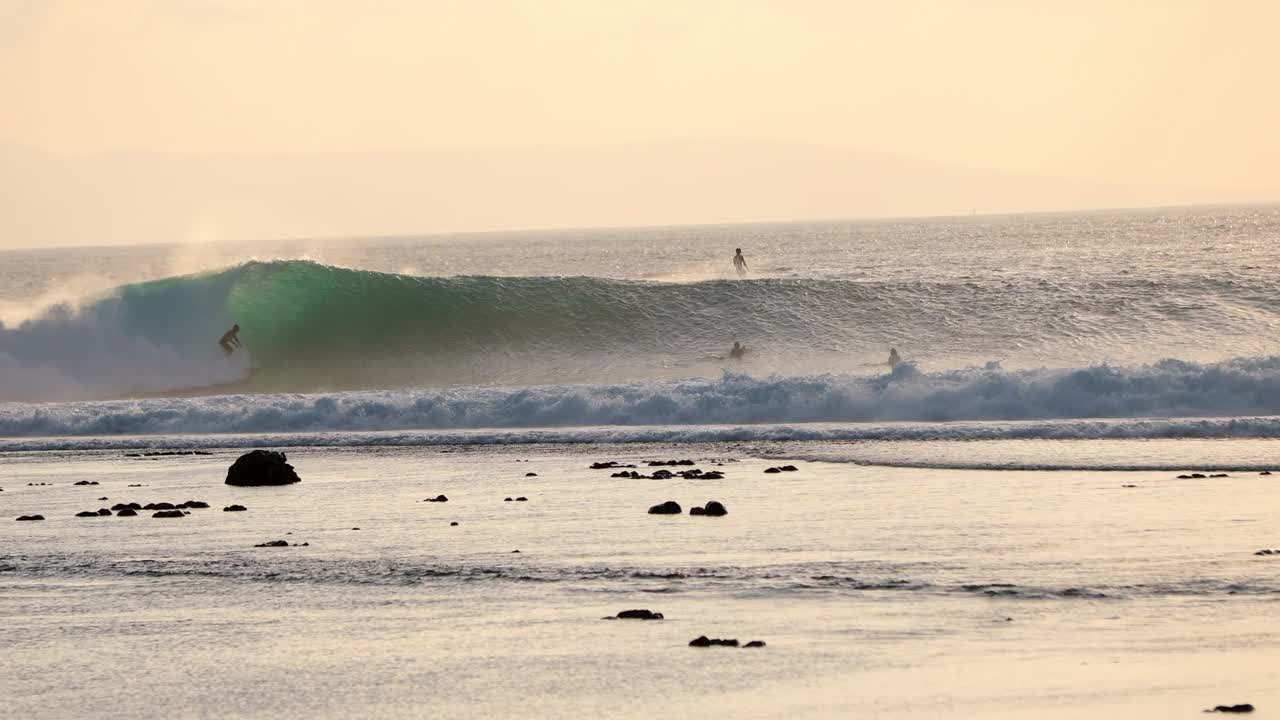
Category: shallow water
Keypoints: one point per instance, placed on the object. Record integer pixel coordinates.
(913, 592)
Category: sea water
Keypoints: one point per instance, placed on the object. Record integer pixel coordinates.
(995, 529)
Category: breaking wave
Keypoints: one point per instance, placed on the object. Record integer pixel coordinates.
(315, 328)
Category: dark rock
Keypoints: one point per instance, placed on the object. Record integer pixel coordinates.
(137, 485)
(715, 509)
(522, 499)
(506, 499)
(101, 498)
(713, 475)
(87, 513)
(453, 524)
(86, 482)
(1192, 476)
(261, 467)
(1128, 486)
(1241, 708)
(1268, 551)
(772, 470)
(1218, 475)
(274, 543)
(195, 504)
(234, 508)
(515, 551)
(670, 507)
(167, 514)
(438, 498)
(160, 506)
(31, 517)
(1265, 472)
(754, 643)
(126, 512)
(611, 465)
(638, 615)
(531, 474)
(789, 468)
(662, 475)
(104, 512)
(704, 641)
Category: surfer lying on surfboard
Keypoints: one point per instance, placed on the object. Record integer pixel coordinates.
(230, 340)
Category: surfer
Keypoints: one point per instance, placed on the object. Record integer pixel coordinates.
(230, 340)
(738, 351)
(894, 358)
(740, 264)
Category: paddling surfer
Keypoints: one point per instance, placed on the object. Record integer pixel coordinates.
(230, 340)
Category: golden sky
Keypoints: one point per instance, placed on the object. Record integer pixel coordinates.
(1175, 93)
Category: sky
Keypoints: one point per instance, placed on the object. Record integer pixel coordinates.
(1165, 100)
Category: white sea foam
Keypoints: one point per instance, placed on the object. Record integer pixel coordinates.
(1173, 396)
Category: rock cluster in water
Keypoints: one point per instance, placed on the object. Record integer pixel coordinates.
(635, 615)
(781, 469)
(712, 508)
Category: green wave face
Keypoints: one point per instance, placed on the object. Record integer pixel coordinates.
(308, 326)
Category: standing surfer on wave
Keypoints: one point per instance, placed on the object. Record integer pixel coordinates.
(230, 340)
(740, 263)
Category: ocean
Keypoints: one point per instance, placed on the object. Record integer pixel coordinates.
(1050, 509)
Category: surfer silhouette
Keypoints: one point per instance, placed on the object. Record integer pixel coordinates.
(738, 351)
(894, 358)
(740, 264)
(230, 340)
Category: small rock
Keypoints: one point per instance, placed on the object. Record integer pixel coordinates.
(197, 504)
(1218, 475)
(772, 470)
(1265, 472)
(506, 499)
(126, 512)
(104, 498)
(670, 507)
(274, 543)
(754, 643)
(86, 482)
(638, 615)
(86, 513)
(1241, 708)
(104, 512)
(453, 524)
(1128, 486)
(712, 509)
(234, 508)
(531, 474)
(438, 498)
(32, 517)
(515, 551)
(167, 514)
(522, 499)
(1268, 551)
(704, 641)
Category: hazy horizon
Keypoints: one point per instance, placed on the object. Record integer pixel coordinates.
(143, 121)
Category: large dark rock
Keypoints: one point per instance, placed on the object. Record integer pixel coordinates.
(126, 512)
(33, 517)
(86, 513)
(234, 508)
(167, 514)
(670, 507)
(194, 504)
(1241, 708)
(438, 498)
(274, 543)
(261, 467)
(104, 512)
